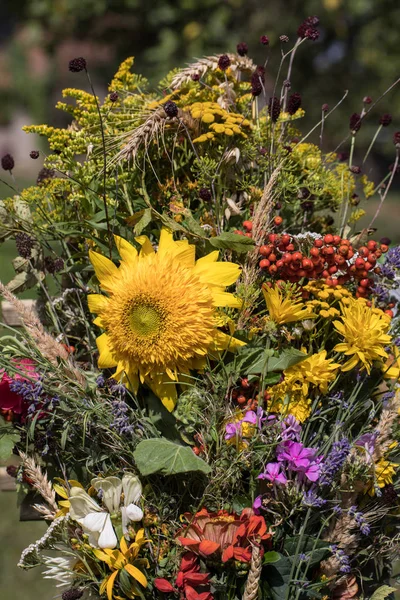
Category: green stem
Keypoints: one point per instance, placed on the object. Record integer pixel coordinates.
(372, 143)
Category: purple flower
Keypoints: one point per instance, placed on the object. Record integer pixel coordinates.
(291, 429)
(273, 474)
(367, 441)
(334, 461)
(257, 505)
(311, 499)
(296, 454)
(232, 429)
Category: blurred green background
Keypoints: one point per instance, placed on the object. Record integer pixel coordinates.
(358, 50)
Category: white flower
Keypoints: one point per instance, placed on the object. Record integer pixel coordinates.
(95, 520)
(59, 568)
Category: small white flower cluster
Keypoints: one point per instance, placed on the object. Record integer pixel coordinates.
(30, 556)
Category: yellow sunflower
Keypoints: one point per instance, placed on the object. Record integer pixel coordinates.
(160, 313)
(285, 308)
(364, 330)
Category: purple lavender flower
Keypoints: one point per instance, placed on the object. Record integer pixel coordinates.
(342, 557)
(360, 520)
(273, 474)
(311, 499)
(334, 461)
(393, 257)
(382, 293)
(121, 422)
(291, 429)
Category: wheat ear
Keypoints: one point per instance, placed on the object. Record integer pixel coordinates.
(41, 484)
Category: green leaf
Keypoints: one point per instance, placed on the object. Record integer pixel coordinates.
(271, 557)
(277, 577)
(145, 219)
(261, 362)
(232, 241)
(192, 224)
(162, 418)
(167, 458)
(383, 592)
(286, 359)
(24, 281)
(8, 438)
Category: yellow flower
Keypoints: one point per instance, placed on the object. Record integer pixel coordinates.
(124, 559)
(316, 369)
(384, 472)
(364, 330)
(391, 370)
(160, 315)
(285, 309)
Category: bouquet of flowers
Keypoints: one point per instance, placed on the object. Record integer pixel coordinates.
(205, 401)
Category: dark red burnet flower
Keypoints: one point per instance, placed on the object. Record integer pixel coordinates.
(224, 62)
(7, 162)
(325, 108)
(396, 138)
(355, 169)
(257, 81)
(385, 120)
(264, 40)
(308, 30)
(113, 96)
(171, 109)
(77, 64)
(11, 403)
(274, 108)
(284, 39)
(242, 49)
(205, 194)
(367, 100)
(355, 123)
(34, 154)
(294, 103)
(24, 244)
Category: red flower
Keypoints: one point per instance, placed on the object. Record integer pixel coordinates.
(188, 579)
(11, 402)
(225, 534)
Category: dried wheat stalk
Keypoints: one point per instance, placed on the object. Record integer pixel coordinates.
(47, 345)
(210, 63)
(152, 128)
(385, 427)
(41, 484)
(253, 578)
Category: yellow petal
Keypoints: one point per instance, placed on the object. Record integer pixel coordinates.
(123, 545)
(106, 360)
(221, 274)
(97, 303)
(104, 268)
(126, 251)
(99, 322)
(225, 299)
(136, 574)
(60, 490)
(110, 585)
(222, 341)
(209, 258)
(147, 248)
(164, 389)
(186, 254)
(166, 243)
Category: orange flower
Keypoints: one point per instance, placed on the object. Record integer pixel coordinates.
(224, 534)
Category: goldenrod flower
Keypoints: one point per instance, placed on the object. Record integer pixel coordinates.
(285, 309)
(160, 316)
(364, 330)
(124, 559)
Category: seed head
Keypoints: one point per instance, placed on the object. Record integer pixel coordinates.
(325, 108)
(396, 139)
(274, 108)
(355, 123)
(307, 29)
(386, 241)
(294, 103)
(355, 169)
(171, 109)
(77, 64)
(7, 162)
(205, 194)
(195, 76)
(284, 39)
(224, 62)
(257, 80)
(264, 40)
(385, 120)
(24, 244)
(34, 154)
(242, 49)
(367, 100)
(113, 96)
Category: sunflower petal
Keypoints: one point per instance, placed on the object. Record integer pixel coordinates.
(106, 360)
(221, 274)
(165, 389)
(147, 247)
(224, 299)
(126, 251)
(97, 303)
(104, 269)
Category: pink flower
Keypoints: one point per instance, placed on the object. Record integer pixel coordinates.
(273, 474)
(297, 456)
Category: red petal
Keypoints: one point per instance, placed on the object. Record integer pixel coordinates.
(163, 585)
(242, 554)
(207, 547)
(227, 554)
(189, 562)
(196, 578)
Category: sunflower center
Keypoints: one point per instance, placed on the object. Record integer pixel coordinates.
(145, 320)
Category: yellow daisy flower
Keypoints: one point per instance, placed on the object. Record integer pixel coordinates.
(316, 370)
(364, 330)
(160, 314)
(285, 309)
(124, 559)
(384, 473)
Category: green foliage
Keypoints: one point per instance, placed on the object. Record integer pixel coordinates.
(8, 438)
(166, 458)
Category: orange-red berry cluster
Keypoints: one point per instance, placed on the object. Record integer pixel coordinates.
(246, 395)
